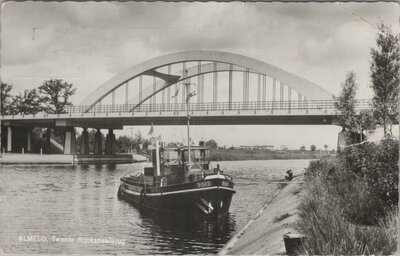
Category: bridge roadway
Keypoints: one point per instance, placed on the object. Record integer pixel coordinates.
(118, 120)
(250, 113)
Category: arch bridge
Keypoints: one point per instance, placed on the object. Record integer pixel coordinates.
(229, 89)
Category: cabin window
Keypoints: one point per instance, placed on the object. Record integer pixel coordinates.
(201, 155)
(197, 155)
(192, 155)
(170, 156)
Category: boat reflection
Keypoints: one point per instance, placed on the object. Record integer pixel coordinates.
(185, 235)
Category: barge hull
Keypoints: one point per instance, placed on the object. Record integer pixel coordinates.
(208, 202)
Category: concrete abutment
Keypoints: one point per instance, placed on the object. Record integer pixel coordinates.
(70, 141)
(346, 138)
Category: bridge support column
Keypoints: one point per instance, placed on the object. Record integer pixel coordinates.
(29, 140)
(84, 142)
(9, 139)
(46, 145)
(70, 141)
(97, 143)
(273, 93)
(110, 143)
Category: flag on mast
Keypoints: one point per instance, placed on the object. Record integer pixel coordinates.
(176, 93)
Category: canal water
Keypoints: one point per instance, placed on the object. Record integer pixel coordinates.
(75, 210)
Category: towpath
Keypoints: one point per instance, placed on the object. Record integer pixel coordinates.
(263, 235)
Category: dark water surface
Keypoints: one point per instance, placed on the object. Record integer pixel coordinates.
(75, 210)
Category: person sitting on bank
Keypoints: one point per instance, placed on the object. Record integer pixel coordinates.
(289, 175)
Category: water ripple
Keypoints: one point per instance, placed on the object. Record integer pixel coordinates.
(80, 201)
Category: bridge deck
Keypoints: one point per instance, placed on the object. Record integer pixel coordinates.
(248, 113)
(118, 120)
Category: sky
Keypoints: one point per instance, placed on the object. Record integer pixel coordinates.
(87, 43)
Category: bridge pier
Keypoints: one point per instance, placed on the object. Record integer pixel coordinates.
(9, 138)
(110, 143)
(70, 141)
(97, 143)
(84, 142)
(46, 146)
(29, 140)
(18, 139)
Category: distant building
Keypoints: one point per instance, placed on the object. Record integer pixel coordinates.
(258, 147)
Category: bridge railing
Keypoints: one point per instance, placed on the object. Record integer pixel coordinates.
(212, 106)
(218, 106)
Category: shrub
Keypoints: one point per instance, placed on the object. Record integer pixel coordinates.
(344, 194)
(377, 163)
(327, 232)
(324, 166)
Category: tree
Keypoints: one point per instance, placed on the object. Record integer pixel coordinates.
(123, 144)
(385, 68)
(345, 104)
(366, 121)
(138, 138)
(326, 147)
(56, 93)
(313, 147)
(303, 148)
(27, 103)
(5, 99)
(211, 144)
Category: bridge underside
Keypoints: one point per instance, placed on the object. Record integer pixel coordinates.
(214, 120)
(117, 121)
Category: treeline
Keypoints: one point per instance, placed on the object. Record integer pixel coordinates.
(52, 96)
(221, 154)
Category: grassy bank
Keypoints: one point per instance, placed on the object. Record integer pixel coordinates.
(351, 200)
(247, 154)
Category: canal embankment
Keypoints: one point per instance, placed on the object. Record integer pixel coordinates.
(263, 234)
(343, 205)
(10, 158)
(17, 159)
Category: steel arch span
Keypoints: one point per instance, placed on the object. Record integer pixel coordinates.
(220, 61)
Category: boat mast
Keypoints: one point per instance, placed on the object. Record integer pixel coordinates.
(188, 96)
(157, 157)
